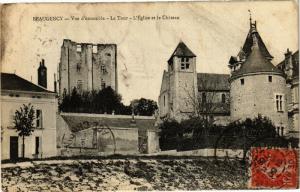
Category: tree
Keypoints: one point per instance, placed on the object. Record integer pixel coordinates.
(23, 122)
(145, 107)
(259, 131)
(170, 131)
(205, 104)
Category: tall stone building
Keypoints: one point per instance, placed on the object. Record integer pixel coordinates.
(256, 85)
(87, 67)
(290, 66)
(185, 93)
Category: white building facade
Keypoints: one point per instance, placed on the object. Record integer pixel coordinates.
(15, 92)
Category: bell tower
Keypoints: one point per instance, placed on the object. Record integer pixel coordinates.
(183, 82)
(42, 74)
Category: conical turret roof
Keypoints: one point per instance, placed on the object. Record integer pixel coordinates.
(247, 47)
(256, 62)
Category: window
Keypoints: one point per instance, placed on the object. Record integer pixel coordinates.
(78, 48)
(103, 69)
(242, 82)
(78, 67)
(103, 84)
(164, 100)
(79, 85)
(184, 63)
(279, 103)
(95, 49)
(37, 145)
(203, 97)
(270, 78)
(39, 120)
(280, 131)
(223, 98)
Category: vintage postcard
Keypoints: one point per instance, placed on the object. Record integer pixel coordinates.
(146, 96)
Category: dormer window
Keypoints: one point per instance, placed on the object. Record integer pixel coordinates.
(185, 63)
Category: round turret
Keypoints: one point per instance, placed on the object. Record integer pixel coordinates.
(258, 87)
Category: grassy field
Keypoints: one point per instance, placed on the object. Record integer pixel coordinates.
(164, 173)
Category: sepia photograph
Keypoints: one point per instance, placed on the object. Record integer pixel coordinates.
(149, 96)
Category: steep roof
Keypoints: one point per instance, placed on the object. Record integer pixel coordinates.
(14, 82)
(213, 82)
(182, 51)
(256, 62)
(249, 42)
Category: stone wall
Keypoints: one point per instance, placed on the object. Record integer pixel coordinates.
(92, 64)
(258, 96)
(97, 134)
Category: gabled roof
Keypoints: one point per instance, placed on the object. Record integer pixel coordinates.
(14, 82)
(182, 51)
(213, 82)
(256, 62)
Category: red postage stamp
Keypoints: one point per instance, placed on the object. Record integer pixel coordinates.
(274, 168)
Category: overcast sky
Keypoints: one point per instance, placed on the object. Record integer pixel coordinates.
(212, 30)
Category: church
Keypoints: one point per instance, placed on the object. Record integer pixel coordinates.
(254, 86)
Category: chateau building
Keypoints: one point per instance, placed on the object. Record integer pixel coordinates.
(290, 66)
(15, 92)
(184, 92)
(87, 67)
(254, 86)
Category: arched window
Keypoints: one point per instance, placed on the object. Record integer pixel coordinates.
(223, 98)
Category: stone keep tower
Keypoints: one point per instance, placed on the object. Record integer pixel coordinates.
(183, 82)
(42, 74)
(256, 85)
(87, 67)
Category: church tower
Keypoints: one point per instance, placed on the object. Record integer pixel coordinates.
(42, 74)
(182, 82)
(256, 85)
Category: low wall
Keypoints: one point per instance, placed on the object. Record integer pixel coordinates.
(231, 153)
(94, 134)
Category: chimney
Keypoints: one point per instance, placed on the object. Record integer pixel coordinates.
(42, 74)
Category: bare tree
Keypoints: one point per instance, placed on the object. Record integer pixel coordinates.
(206, 103)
